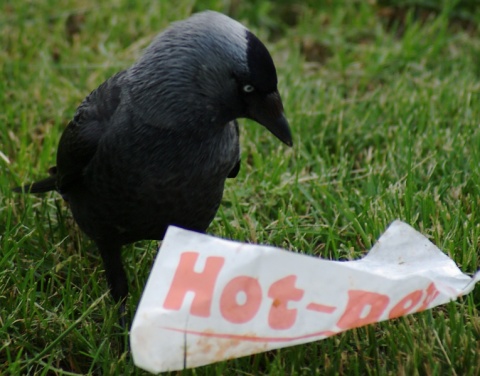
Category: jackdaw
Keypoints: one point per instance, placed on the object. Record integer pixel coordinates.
(153, 145)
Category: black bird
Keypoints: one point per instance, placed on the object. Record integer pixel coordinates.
(153, 145)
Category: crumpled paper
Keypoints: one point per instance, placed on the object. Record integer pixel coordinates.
(210, 299)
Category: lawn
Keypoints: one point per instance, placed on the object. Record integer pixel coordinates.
(383, 101)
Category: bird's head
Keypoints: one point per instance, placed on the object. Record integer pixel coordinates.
(210, 67)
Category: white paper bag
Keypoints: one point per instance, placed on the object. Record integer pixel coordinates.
(209, 299)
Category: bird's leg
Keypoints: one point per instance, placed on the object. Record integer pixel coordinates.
(116, 277)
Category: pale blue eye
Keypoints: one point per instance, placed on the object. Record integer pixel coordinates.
(248, 88)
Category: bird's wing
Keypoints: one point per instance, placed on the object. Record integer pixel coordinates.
(235, 170)
(82, 135)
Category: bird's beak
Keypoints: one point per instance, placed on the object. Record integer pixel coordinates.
(268, 111)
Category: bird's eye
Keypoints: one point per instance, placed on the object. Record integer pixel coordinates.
(248, 88)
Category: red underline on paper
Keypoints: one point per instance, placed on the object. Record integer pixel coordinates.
(251, 338)
(321, 308)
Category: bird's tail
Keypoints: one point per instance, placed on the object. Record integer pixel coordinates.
(42, 186)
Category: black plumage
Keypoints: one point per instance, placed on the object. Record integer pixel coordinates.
(153, 145)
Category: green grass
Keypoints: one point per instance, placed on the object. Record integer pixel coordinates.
(386, 124)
